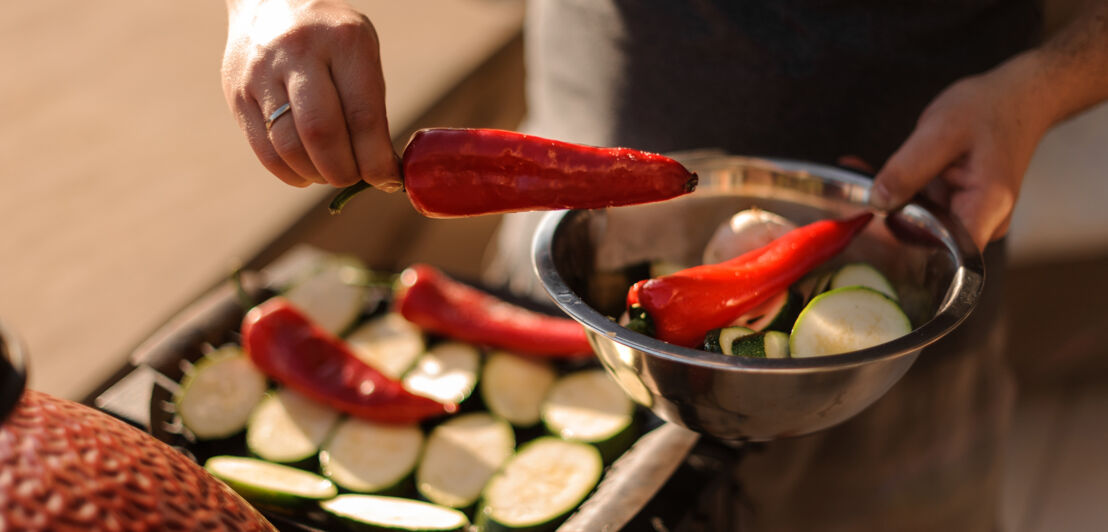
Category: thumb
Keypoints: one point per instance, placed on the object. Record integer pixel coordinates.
(931, 148)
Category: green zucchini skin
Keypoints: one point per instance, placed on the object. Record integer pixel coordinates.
(764, 344)
(784, 320)
(747, 343)
(253, 479)
(750, 345)
(723, 340)
(371, 513)
(711, 342)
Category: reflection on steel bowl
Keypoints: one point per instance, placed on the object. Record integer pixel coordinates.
(928, 257)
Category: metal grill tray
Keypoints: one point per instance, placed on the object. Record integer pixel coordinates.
(670, 478)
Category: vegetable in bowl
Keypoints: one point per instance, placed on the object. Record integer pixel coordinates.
(746, 303)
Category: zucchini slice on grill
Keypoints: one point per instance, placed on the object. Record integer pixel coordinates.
(461, 455)
(538, 487)
(389, 343)
(288, 428)
(446, 373)
(588, 406)
(374, 512)
(219, 393)
(369, 457)
(268, 484)
(513, 387)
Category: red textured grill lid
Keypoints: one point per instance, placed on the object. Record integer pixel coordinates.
(66, 466)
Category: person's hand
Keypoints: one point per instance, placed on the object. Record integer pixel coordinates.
(969, 150)
(322, 58)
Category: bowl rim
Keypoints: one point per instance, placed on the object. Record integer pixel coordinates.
(960, 299)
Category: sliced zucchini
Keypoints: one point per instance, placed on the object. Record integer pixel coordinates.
(776, 344)
(538, 487)
(813, 285)
(447, 372)
(514, 386)
(863, 274)
(288, 428)
(765, 344)
(461, 455)
(741, 341)
(219, 393)
(374, 512)
(721, 340)
(370, 457)
(775, 314)
(846, 319)
(389, 343)
(588, 406)
(268, 484)
(332, 294)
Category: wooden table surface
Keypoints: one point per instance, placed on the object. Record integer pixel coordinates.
(127, 188)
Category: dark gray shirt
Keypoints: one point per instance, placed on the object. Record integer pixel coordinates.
(810, 80)
(805, 79)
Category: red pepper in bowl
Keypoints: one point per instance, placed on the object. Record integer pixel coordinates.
(465, 172)
(285, 345)
(681, 307)
(430, 299)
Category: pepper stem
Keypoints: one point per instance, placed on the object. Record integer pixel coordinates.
(345, 194)
(246, 301)
(639, 321)
(690, 185)
(379, 279)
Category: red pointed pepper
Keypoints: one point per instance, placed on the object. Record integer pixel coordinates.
(437, 303)
(284, 344)
(683, 306)
(466, 172)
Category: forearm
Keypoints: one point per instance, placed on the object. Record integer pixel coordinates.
(1069, 71)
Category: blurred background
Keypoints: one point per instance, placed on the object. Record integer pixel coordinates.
(128, 191)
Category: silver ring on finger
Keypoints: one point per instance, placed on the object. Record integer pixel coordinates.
(275, 115)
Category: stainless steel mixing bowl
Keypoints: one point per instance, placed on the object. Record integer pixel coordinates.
(581, 258)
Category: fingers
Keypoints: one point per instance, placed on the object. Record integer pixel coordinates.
(323, 59)
(934, 145)
(328, 136)
(284, 141)
(253, 114)
(983, 199)
(310, 143)
(361, 90)
(984, 212)
(320, 126)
